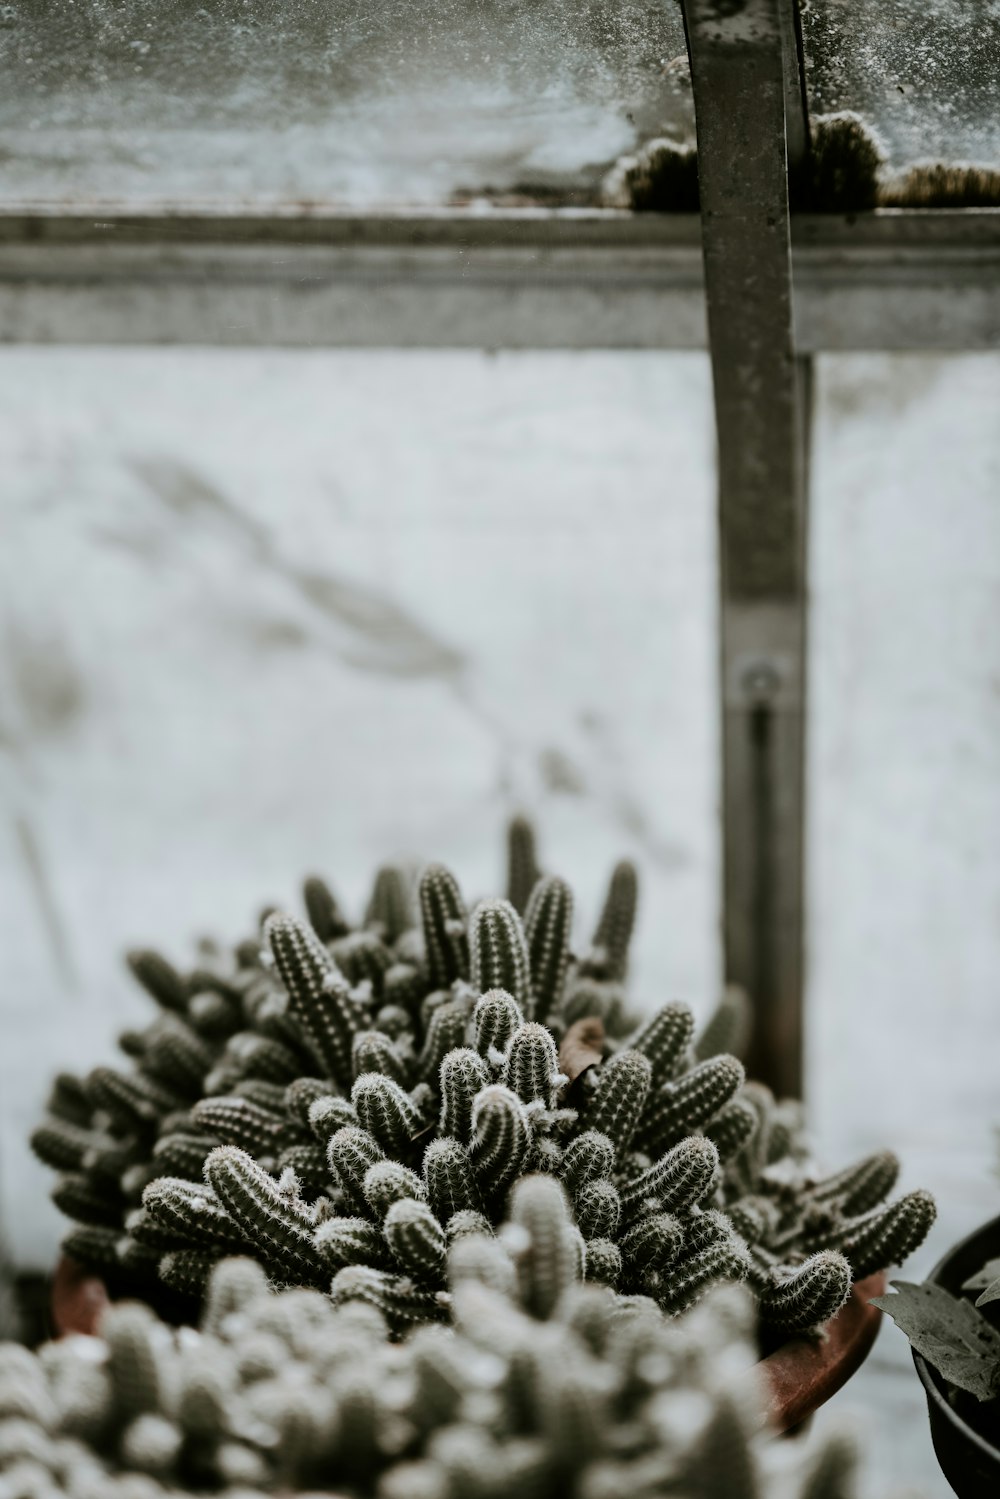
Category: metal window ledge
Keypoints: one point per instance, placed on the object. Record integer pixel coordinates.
(468, 278)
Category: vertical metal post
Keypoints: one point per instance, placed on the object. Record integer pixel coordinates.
(751, 126)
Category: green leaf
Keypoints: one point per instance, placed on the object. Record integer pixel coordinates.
(983, 1276)
(950, 1334)
(992, 1293)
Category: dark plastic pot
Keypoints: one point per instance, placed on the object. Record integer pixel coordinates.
(969, 1459)
(799, 1376)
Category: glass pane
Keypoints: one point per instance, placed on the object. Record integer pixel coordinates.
(903, 1023)
(921, 73)
(353, 103)
(266, 615)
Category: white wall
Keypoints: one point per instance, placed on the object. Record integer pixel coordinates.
(904, 813)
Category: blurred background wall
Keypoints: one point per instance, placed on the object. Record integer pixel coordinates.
(903, 997)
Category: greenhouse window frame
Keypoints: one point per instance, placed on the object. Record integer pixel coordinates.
(891, 280)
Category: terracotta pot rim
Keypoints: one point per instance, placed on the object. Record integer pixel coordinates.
(77, 1300)
(804, 1373)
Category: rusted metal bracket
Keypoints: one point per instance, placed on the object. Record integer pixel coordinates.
(752, 129)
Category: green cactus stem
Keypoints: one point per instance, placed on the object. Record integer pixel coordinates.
(499, 953)
(523, 870)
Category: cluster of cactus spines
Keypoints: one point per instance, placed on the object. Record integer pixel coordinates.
(523, 870)
(664, 1040)
(688, 1102)
(885, 1235)
(548, 924)
(445, 928)
(728, 1027)
(542, 1385)
(389, 912)
(324, 913)
(618, 1100)
(345, 1104)
(319, 998)
(808, 1294)
(499, 953)
(609, 952)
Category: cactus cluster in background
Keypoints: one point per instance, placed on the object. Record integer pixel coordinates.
(346, 1104)
(543, 1387)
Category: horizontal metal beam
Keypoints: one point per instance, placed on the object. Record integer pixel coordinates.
(522, 279)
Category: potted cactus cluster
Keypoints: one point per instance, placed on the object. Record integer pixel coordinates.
(465, 1187)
